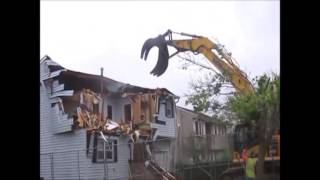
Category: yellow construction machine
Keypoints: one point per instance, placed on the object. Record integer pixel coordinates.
(223, 61)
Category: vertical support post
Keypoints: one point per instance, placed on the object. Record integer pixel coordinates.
(228, 150)
(105, 157)
(52, 168)
(143, 150)
(215, 158)
(104, 160)
(78, 166)
(101, 93)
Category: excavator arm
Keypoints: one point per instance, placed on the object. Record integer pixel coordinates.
(197, 44)
(217, 56)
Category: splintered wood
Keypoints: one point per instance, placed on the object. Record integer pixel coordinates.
(143, 107)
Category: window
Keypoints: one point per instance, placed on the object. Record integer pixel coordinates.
(161, 103)
(197, 125)
(106, 151)
(213, 130)
(109, 114)
(169, 108)
(199, 128)
(127, 112)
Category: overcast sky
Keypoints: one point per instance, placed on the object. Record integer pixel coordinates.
(84, 36)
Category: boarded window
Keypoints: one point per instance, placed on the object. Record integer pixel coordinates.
(109, 116)
(127, 112)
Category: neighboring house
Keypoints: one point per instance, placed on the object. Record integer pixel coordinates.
(74, 114)
(201, 138)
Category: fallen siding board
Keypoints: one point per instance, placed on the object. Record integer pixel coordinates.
(62, 93)
(58, 88)
(55, 100)
(53, 74)
(44, 76)
(51, 63)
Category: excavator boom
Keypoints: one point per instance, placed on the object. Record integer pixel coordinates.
(217, 56)
(198, 44)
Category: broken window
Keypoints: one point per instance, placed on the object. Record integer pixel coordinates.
(109, 109)
(127, 112)
(90, 99)
(106, 151)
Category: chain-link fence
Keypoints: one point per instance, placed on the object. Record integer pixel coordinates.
(198, 157)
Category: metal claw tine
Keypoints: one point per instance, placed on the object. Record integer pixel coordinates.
(146, 47)
(149, 46)
(163, 58)
(162, 62)
(163, 55)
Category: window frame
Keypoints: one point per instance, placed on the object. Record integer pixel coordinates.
(199, 128)
(113, 150)
(169, 100)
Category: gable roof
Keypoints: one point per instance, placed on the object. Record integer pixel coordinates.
(121, 87)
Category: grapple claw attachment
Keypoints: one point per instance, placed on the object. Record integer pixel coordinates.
(163, 56)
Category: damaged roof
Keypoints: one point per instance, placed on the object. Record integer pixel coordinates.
(95, 80)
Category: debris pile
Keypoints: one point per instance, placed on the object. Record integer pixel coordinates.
(89, 115)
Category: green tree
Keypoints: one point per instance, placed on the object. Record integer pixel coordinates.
(209, 94)
(261, 109)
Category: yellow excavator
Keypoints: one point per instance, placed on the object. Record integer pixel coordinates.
(223, 61)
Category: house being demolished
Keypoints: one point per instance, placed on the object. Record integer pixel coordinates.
(87, 120)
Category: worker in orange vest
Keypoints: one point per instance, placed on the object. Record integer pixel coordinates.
(244, 154)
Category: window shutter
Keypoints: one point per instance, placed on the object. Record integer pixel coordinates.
(115, 150)
(88, 141)
(95, 143)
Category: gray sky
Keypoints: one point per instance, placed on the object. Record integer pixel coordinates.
(84, 36)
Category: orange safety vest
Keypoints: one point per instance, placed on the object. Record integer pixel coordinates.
(244, 154)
